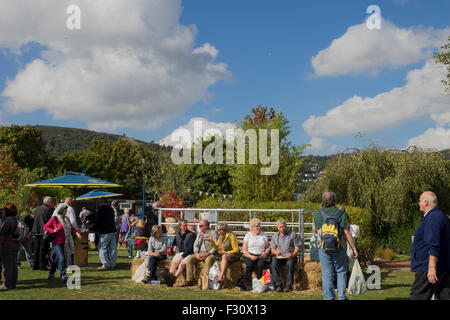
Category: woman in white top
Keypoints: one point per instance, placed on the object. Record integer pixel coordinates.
(255, 248)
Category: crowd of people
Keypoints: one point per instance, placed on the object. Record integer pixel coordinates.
(53, 228)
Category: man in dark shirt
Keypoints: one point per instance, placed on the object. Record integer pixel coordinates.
(106, 228)
(184, 246)
(41, 246)
(430, 253)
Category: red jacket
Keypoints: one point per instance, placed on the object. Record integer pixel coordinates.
(51, 225)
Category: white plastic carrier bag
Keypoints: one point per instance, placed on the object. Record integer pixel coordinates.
(357, 283)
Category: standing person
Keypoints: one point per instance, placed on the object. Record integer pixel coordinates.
(184, 247)
(62, 244)
(151, 218)
(227, 248)
(106, 228)
(27, 244)
(285, 246)
(157, 251)
(41, 246)
(333, 261)
(117, 219)
(125, 226)
(10, 247)
(255, 248)
(83, 214)
(430, 253)
(203, 251)
(71, 212)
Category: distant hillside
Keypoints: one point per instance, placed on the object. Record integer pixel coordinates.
(61, 140)
(446, 153)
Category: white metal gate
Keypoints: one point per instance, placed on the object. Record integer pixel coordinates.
(295, 219)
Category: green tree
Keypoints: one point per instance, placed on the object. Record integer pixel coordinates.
(443, 57)
(8, 171)
(387, 184)
(119, 162)
(26, 147)
(247, 181)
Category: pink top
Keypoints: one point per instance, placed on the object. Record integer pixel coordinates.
(51, 225)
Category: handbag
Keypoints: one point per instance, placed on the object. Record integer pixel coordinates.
(48, 235)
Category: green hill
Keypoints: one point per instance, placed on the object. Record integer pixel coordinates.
(61, 140)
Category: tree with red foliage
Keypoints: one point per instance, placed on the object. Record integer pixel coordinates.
(8, 169)
(171, 200)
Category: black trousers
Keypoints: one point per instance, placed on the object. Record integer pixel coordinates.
(249, 263)
(290, 268)
(422, 289)
(41, 248)
(9, 259)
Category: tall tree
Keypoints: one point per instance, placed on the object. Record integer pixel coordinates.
(247, 179)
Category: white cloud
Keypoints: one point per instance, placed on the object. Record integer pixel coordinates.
(320, 145)
(422, 95)
(436, 138)
(205, 125)
(131, 65)
(361, 50)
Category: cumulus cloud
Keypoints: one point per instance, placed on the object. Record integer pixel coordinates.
(204, 126)
(422, 95)
(361, 50)
(320, 145)
(132, 64)
(436, 138)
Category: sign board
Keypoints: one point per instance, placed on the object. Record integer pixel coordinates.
(124, 205)
(211, 216)
(189, 215)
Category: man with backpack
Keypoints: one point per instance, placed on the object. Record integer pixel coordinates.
(334, 231)
(41, 246)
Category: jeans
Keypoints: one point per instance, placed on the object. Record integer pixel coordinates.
(249, 263)
(107, 248)
(333, 263)
(290, 268)
(28, 247)
(153, 264)
(58, 260)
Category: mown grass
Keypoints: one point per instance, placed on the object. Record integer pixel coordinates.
(117, 285)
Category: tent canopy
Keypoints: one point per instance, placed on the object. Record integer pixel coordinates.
(96, 194)
(74, 181)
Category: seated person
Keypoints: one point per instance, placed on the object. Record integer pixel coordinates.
(184, 247)
(157, 251)
(203, 251)
(285, 245)
(255, 249)
(227, 248)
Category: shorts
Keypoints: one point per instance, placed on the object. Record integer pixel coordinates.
(179, 256)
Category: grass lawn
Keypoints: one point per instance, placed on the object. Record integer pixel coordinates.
(117, 284)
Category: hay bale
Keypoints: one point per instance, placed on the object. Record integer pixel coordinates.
(308, 277)
(312, 274)
(135, 265)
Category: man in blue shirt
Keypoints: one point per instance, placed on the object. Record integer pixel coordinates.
(430, 254)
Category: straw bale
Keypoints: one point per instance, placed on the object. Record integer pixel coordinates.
(135, 265)
(308, 277)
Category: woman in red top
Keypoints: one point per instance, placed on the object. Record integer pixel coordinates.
(62, 243)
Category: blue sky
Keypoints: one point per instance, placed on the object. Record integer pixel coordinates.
(258, 52)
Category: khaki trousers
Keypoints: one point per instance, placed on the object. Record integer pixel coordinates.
(209, 261)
